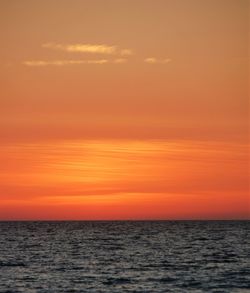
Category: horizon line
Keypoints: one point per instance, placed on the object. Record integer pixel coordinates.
(125, 220)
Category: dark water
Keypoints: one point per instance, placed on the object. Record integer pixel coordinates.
(191, 256)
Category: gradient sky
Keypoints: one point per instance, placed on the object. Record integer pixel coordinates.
(123, 109)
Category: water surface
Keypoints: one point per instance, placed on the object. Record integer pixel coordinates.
(126, 256)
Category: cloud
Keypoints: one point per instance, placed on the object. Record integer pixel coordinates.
(83, 48)
(63, 62)
(153, 60)
(166, 60)
(41, 63)
(126, 52)
(89, 48)
(120, 60)
(150, 60)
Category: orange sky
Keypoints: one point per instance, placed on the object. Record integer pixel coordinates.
(124, 109)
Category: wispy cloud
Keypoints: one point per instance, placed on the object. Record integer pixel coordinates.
(63, 62)
(126, 52)
(116, 55)
(89, 48)
(41, 63)
(153, 60)
(120, 60)
(83, 48)
(150, 60)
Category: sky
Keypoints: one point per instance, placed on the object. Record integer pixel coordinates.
(123, 109)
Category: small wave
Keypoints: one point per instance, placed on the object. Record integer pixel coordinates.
(116, 281)
(12, 264)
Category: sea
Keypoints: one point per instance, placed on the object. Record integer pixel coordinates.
(124, 256)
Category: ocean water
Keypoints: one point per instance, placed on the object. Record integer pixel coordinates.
(126, 256)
